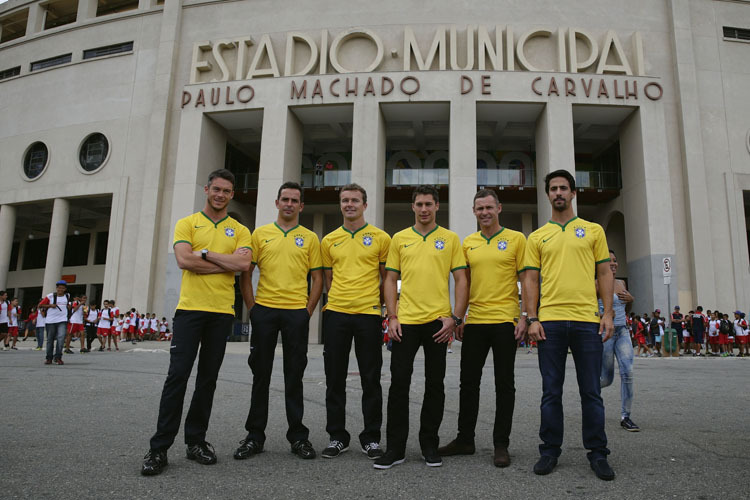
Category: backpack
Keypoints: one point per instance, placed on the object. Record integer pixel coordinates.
(725, 326)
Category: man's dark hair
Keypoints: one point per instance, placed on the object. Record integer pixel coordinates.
(424, 189)
(612, 252)
(292, 185)
(699, 308)
(354, 187)
(222, 173)
(484, 193)
(560, 173)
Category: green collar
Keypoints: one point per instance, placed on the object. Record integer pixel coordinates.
(491, 237)
(355, 232)
(424, 238)
(216, 224)
(563, 226)
(285, 232)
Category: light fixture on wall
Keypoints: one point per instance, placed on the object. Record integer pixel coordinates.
(76, 232)
(31, 236)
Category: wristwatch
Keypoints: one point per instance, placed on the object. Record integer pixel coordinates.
(204, 254)
(457, 320)
(529, 321)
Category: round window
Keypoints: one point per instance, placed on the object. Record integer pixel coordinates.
(94, 151)
(35, 160)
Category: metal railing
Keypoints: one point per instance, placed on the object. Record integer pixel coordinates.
(598, 180)
(506, 177)
(417, 176)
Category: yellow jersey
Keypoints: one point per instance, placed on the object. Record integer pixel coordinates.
(355, 259)
(210, 292)
(284, 259)
(494, 264)
(566, 257)
(424, 264)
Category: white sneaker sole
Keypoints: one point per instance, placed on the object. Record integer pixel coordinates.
(383, 467)
(368, 456)
(432, 464)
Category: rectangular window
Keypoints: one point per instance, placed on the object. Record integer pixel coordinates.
(35, 254)
(106, 7)
(737, 33)
(52, 61)
(10, 73)
(100, 254)
(14, 26)
(108, 50)
(14, 250)
(59, 13)
(76, 250)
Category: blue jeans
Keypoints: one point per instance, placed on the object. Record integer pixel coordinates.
(585, 343)
(619, 346)
(55, 331)
(39, 336)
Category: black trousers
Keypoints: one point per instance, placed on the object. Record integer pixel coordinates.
(90, 334)
(402, 367)
(339, 330)
(478, 340)
(266, 323)
(192, 329)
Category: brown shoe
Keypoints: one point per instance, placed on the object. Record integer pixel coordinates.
(502, 459)
(455, 447)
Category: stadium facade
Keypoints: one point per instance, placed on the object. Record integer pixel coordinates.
(114, 112)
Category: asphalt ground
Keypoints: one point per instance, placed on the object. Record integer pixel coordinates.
(81, 430)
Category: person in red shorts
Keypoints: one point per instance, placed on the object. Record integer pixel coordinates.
(104, 326)
(640, 337)
(740, 325)
(714, 325)
(13, 313)
(75, 324)
(741, 337)
(114, 335)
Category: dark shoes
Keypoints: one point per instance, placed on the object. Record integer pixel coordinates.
(47, 361)
(203, 453)
(303, 449)
(389, 459)
(59, 362)
(372, 450)
(248, 447)
(334, 449)
(545, 465)
(628, 425)
(601, 468)
(154, 463)
(432, 458)
(502, 458)
(456, 447)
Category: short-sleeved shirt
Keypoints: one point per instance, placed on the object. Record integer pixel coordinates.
(284, 259)
(494, 263)
(424, 264)
(210, 292)
(566, 257)
(355, 259)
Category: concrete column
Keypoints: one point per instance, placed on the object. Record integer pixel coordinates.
(21, 249)
(315, 335)
(527, 226)
(92, 249)
(35, 21)
(58, 233)
(280, 158)
(86, 10)
(7, 230)
(462, 156)
(647, 208)
(554, 150)
(689, 105)
(368, 157)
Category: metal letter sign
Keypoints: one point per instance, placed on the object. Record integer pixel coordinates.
(667, 269)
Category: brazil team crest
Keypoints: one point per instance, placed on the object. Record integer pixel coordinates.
(580, 232)
(367, 240)
(439, 243)
(502, 245)
(229, 232)
(299, 240)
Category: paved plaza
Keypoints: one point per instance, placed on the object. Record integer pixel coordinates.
(81, 430)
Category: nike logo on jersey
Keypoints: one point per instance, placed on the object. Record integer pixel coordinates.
(270, 240)
(337, 244)
(473, 248)
(545, 241)
(407, 246)
(198, 227)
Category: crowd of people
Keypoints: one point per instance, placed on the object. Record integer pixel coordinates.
(83, 321)
(692, 334)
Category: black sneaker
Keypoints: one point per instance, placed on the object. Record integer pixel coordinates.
(68, 351)
(248, 447)
(372, 450)
(389, 459)
(303, 449)
(431, 458)
(334, 449)
(601, 468)
(154, 463)
(203, 453)
(628, 425)
(545, 465)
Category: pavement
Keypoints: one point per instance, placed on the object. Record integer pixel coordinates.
(81, 430)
